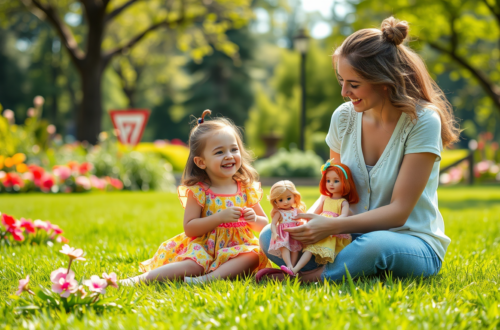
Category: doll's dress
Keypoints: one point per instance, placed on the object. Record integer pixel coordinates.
(284, 239)
(226, 241)
(327, 249)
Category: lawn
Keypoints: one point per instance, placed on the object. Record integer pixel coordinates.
(117, 230)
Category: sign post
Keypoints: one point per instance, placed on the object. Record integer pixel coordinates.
(130, 124)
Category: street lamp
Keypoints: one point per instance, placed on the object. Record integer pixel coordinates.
(301, 43)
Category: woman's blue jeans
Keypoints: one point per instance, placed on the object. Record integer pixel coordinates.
(371, 254)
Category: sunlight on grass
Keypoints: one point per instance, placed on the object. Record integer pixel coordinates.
(117, 230)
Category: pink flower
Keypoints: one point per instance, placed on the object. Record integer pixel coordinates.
(171, 244)
(61, 239)
(115, 183)
(13, 179)
(28, 225)
(59, 273)
(63, 172)
(28, 176)
(44, 225)
(23, 285)
(38, 101)
(84, 182)
(111, 279)
(196, 247)
(97, 284)
(17, 234)
(46, 182)
(97, 183)
(65, 284)
(56, 229)
(72, 253)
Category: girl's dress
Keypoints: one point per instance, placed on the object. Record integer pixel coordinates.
(225, 242)
(327, 249)
(284, 239)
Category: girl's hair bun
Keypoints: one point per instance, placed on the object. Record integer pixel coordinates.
(394, 30)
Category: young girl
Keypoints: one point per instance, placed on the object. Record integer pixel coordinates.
(221, 201)
(337, 184)
(286, 202)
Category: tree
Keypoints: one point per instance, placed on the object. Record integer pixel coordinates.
(198, 24)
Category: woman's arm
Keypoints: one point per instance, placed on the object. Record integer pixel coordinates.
(412, 179)
(255, 217)
(195, 226)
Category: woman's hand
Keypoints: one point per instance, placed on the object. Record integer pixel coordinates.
(317, 228)
(231, 214)
(249, 214)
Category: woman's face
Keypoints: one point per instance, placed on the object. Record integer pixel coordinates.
(364, 95)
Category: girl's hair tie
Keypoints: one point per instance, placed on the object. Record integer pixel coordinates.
(201, 120)
(328, 164)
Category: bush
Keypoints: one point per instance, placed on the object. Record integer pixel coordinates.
(176, 155)
(294, 164)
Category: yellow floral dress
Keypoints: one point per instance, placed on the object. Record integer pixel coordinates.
(225, 242)
(327, 249)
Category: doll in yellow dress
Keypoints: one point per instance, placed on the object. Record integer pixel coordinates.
(338, 187)
(221, 208)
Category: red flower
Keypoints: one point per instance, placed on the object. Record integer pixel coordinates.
(56, 229)
(28, 225)
(8, 221)
(46, 182)
(85, 168)
(37, 171)
(115, 183)
(17, 234)
(13, 179)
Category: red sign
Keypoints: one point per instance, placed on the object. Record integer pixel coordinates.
(130, 124)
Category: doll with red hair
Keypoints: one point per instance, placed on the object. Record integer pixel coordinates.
(338, 187)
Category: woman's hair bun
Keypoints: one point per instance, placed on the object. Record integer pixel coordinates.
(394, 30)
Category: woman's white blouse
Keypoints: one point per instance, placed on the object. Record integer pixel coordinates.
(375, 188)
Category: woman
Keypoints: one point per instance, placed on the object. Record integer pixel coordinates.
(391, 135)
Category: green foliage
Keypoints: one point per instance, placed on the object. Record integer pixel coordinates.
(118, 230)
(448, 157)
(278, 111)
(293, 164)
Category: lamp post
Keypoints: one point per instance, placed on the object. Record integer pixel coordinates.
(301, 43)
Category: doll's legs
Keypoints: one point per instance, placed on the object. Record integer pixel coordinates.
(294, 256)
(241, 265)
(304, 259)
(285, 254)
(175, 270)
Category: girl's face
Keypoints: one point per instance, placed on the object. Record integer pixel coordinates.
(333, 184)
(221, 158)
(285, 201)
(364, 95)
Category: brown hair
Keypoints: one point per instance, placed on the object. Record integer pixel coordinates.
(278, 189)
(379, 57)
(349, 191)
(192, 174)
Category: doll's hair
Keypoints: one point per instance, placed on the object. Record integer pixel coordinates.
(198, 136)
(349, 191)
(278, 189)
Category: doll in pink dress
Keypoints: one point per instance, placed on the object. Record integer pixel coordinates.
(286, 202)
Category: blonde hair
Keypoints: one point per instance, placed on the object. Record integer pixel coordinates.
(278, 189)
(198, 136)
(379, 57)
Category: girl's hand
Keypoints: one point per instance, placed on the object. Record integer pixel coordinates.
(231, 214)
(249, 214)
(317, 228)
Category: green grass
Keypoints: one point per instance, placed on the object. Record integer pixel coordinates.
(117, 230)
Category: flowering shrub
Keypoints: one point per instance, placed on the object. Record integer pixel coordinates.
(71, 295)
(72, 177)
(25, 231)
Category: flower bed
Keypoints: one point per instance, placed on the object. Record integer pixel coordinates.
(25, 231)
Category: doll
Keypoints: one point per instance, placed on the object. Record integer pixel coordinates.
(286, 202)
(338, 187)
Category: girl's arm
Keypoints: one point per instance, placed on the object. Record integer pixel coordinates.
(195, 225)
(412, 178)
(255, 217)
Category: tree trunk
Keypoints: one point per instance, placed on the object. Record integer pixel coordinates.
(90, 111)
